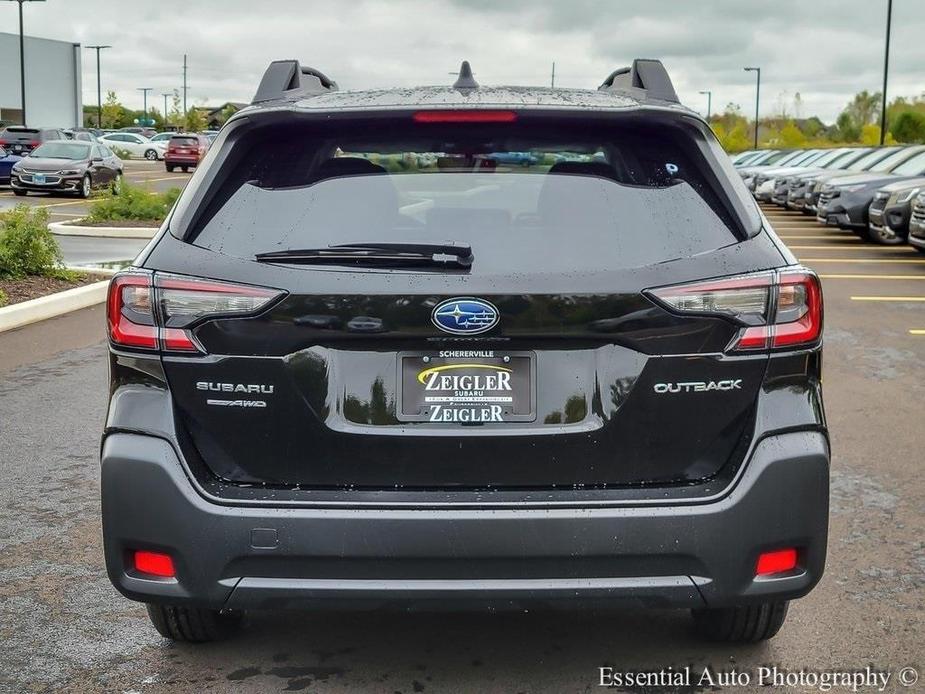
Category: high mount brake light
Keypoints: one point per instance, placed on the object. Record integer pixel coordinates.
(148, 314)
(775, 309)
(471, 116)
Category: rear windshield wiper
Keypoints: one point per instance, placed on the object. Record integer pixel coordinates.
(388, 253)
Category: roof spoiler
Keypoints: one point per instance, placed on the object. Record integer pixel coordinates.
(646, 74)
(286, 79)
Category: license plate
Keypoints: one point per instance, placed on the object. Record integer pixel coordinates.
(38, 178)
(467, 386)
(17, 148)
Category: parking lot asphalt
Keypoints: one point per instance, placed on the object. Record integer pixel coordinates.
(64, 628)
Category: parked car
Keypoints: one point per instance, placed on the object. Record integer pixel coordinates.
(879, 158)
(832, 159)
(185, 151)
(764, 180)
(844, 202)
(162, 137)
(890, 211)
(19, 140)
(145, 131)
(755, 176)
(894, 157)
(67, 166)
(137, 145)
(6, 164)
(555, 397)
(514, 158)
(916, 236)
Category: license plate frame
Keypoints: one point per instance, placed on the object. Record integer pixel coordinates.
(414, 404)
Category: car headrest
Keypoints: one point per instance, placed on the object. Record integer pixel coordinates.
(584, 168)
(347, 166)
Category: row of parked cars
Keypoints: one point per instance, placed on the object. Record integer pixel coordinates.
(52, 160)
(876, 192)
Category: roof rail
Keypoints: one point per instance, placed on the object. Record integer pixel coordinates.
(286, 79)
(646, 74)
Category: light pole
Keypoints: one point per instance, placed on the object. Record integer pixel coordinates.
(145, 90)
(22, 59)
(709, 102)
(165, 95)
(757, 98)
(99, 92)
(886, 69)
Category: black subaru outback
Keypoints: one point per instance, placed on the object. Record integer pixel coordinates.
(465, 347)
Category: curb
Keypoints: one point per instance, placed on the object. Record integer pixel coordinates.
(56, 304)
(63, 229)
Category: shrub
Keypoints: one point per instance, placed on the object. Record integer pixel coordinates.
(133, 202)
(121, 153)
(909, 126)
(26, 245)
(3, 298)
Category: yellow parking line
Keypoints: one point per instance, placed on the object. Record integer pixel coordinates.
(888, 298)
(62, 204)
(853, 240)
(854, 247)
(917, 332)
(894, 261)
(872, 277)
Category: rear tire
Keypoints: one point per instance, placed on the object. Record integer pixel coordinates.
(151, 155)
(169, 168)
(743, 623)
(192, 624)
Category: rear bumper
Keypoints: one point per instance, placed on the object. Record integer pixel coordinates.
(690, 555)
(174, 160)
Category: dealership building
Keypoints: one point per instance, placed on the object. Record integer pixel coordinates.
(53, 84)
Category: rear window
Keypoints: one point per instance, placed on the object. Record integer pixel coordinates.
(19, 134)
(537, 199)
(184, 141)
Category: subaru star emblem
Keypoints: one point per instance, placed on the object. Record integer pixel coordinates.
(464, 316)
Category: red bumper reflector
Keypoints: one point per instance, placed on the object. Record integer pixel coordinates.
(473, 116)
(154, 564)
(776, 562)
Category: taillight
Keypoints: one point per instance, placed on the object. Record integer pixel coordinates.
(161, 314)
(775, 309)
(35, 143)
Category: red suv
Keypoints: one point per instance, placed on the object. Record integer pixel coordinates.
(185, 150)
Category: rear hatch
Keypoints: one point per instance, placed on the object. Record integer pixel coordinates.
(182, 147)
(416, 307)
(17, 140)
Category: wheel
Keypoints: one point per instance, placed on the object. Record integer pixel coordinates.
(885, 236)
(117, 184)
(20, 193)
(743, 623)
(151, 155)
(860, 232)
(184, 169)
(920, 249)
(85, 185)
(169, 168)
(192, 624)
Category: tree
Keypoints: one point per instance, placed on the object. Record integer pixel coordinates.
(848, 128)
(195, 120)
(908, 126)
(792, 136)
(227, 112)
(113, 111)
(864, 107)
(175, 114)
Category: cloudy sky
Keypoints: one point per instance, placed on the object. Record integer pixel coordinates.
(826, 50)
